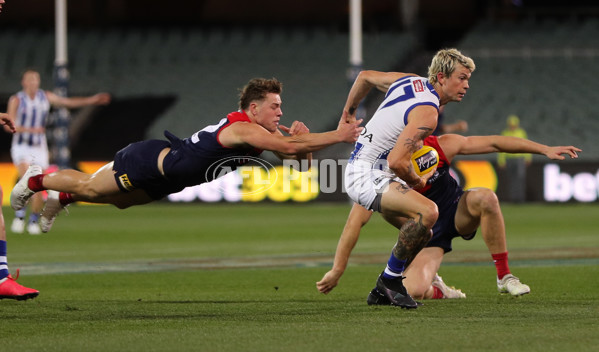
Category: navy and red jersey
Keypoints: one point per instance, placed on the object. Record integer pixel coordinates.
(442, 189)
(445, 191)
(201, 157)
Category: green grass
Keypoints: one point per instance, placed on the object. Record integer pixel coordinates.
(143, 280)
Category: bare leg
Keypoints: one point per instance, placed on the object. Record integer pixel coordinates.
(419, 274)
(480, 207)
(100, 187)
(400, 203)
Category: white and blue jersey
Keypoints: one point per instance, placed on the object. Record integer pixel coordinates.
(32, 113)
(381, 132)
(368, 173)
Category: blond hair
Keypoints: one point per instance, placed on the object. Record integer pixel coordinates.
(445, 62)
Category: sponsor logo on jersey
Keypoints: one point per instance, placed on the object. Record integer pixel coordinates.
(124, 179)
(418, 86)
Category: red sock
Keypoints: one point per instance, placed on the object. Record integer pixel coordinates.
(65, 198)
(35, 183)
(437, 294)
(500, 260)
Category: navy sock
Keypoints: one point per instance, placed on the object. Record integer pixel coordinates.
(395, 267)
(34, 217)
(21, 213)
(3, 263)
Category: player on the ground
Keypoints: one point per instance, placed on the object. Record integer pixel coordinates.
(149, 170)
(460, 215)
(29, 110)
(380, 176)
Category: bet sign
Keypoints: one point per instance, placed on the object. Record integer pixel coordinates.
(562, 187)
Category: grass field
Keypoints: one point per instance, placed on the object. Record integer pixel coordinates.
(222, 277)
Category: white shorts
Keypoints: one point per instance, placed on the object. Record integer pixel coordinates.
(30, 154)
(365, 184)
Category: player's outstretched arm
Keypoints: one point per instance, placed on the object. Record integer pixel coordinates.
(508, 144)
(251, 134)
(358, 217)
(77, 102)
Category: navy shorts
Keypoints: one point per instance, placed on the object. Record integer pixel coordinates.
(444, 230)
(136, 166)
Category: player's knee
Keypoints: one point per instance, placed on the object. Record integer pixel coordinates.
(488, 201)
(417, 291)
(430, 214)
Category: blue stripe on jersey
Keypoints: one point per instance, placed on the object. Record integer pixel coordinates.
(356, 152)
(408, 94)
(33, 124)
(381, 160)
(432, 89)
(23, 108)
(400, 82)
(405, 116)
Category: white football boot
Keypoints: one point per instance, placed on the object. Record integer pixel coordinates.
(21, 193)
(448, 292)
(512, 285)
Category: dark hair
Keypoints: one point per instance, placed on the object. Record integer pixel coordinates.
(256, 89)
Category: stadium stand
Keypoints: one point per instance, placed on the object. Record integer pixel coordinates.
(535, 68)
(205, 68)
(538, 70)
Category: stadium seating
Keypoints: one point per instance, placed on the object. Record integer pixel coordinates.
(205, 68)
(539, 70)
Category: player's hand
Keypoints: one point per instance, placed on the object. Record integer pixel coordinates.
(426, 177)
(349, 131)
(328, 282)
(297, 127)
(556, 153)
(7, 123)
(347, 117)
(101, 99)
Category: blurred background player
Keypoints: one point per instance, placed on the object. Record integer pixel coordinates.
(515, 164)
(460, 215)
(149, 170)
(379, 175)
(29, 110)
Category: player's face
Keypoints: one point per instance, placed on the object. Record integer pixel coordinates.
(31, 81)
(268, 112)
(456, 85)
(1, 2)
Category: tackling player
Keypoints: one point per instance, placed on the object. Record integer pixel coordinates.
(149, 170)
(460, 215)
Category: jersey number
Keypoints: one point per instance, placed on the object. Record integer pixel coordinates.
(408, 93)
